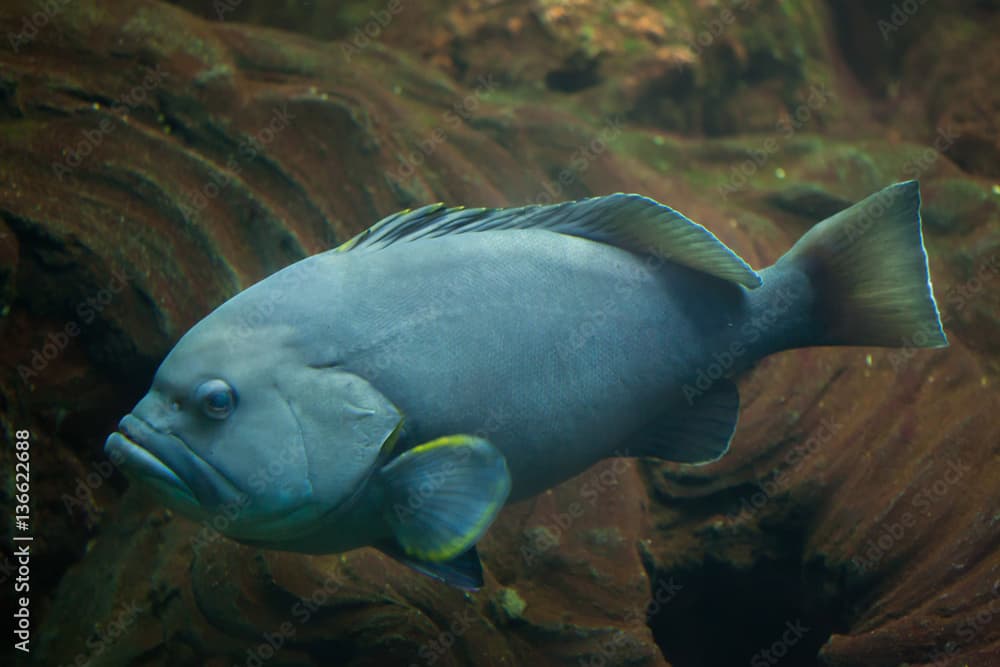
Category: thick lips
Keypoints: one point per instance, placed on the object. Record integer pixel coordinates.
(165, 459)
(140, 462)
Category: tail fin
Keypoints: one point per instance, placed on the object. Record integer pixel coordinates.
(868, 270)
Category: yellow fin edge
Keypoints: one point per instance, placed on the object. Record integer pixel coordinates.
(457, 546)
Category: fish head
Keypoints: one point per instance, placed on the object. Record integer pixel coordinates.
(245, 431)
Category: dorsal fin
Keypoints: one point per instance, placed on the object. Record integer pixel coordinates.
(632, 222)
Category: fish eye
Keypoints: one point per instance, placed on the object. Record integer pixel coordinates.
(216, 397)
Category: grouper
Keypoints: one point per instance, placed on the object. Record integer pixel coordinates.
(395, 392)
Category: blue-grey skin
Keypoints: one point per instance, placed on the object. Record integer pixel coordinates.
(556, 349)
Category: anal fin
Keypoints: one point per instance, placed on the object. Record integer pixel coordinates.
(699, 433)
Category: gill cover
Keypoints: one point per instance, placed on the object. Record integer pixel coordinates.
(346, 425)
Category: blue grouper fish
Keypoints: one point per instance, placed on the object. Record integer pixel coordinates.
(397, 391)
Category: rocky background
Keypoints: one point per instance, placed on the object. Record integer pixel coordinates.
(157, 158)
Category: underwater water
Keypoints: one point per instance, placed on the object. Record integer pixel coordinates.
(590, 434)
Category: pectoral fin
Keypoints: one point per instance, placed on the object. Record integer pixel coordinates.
(700, 433)
(442, 496)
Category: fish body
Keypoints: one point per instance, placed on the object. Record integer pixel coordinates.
(397, 391)
(555, 348)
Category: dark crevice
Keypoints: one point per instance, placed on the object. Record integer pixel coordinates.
(9, 109)
(329, 651)
(664, 100)
(976, 155)
(579, 73)
(872, 53)
(777, 610)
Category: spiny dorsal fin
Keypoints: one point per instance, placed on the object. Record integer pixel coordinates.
(632, 222)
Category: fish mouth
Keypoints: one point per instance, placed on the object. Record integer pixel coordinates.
(166, 462)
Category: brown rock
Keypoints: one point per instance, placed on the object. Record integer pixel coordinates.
(695, 67)
(856, 516)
